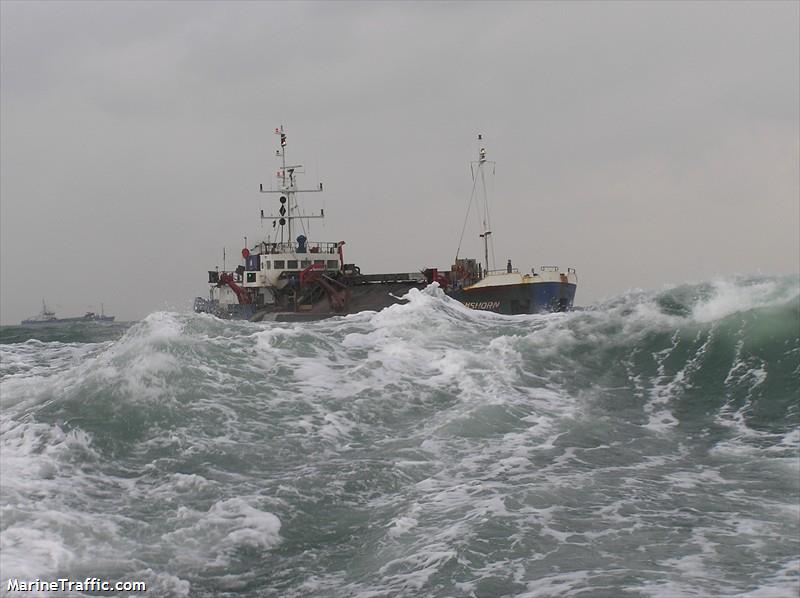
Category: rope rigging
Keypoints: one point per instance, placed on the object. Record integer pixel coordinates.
(466, 216)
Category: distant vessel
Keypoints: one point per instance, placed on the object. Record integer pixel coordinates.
(49, 317)
(288, 278)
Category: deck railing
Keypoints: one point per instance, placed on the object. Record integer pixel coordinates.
(503, 271)
(292, 247)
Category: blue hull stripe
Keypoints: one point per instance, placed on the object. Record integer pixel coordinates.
(540, 297)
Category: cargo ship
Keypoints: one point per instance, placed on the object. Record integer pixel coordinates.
(507, 291)
(288, 277)
(47, 316)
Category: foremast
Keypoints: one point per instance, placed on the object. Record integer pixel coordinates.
(481, 166)
(478, 170)
(289, 210)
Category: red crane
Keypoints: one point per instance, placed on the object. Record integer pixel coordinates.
(315, 273)
(241, 294)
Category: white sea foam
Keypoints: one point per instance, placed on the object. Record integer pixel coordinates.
(422, 449)
(401, 525)
(41, 534)
(731, 297)
(162, 584)
(212, 537)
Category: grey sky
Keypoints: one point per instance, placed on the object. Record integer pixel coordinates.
(642, 143)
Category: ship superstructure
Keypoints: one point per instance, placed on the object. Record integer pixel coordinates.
(287, 276)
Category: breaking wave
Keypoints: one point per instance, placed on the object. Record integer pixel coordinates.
(647, 446)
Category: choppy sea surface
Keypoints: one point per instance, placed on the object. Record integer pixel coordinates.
(648, 446)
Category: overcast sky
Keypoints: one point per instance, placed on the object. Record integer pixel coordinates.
(642, 143)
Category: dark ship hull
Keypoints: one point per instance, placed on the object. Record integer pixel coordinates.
(512, 300)
(511, 293)
(335, 295)
(545, 292)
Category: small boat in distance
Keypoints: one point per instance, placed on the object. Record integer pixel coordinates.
(49, 317)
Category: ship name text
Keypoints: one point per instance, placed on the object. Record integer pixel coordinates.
(483, 304)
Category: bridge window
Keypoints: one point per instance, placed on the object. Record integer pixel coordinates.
(305, 263)
(333, 265)
(291, 265)
(266, 265)
(279, 264)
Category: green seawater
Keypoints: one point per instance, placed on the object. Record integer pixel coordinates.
(648, 446)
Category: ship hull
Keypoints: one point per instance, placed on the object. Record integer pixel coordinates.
(67, 321)
(514, 299)
(508, 299)
(373, 296)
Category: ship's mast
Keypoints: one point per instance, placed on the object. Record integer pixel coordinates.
(486, 232)
(288, 211)
(478, 174)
